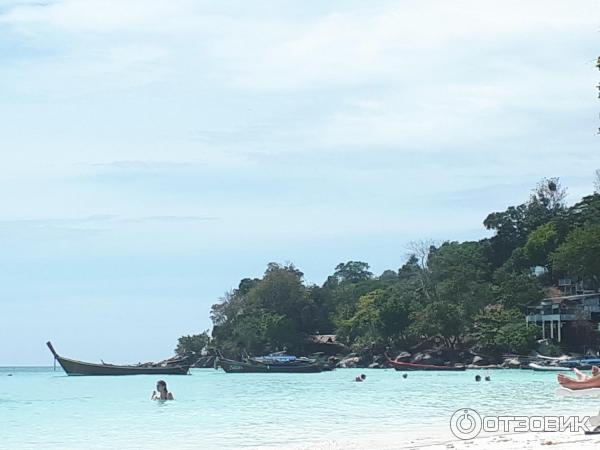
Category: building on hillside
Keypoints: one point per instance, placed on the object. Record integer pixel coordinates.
(551, 314)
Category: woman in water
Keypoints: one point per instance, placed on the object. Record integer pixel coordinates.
(163, 393)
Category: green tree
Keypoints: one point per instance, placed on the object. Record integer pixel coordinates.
(541, 242)
(352, 272)
(382, 317)
(579, 255)
(514, 225)
(515, 290)
(192, 346)
(498, 331)
(445, 320)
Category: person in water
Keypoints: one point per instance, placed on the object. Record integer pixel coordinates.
(163, 393)
(477, 377)
(582, 381)
(361, 377)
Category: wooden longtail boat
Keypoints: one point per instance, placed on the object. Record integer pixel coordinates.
(231, 366)
(73, 367)
(404, 366)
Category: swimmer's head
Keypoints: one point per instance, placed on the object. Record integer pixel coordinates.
(161, 386)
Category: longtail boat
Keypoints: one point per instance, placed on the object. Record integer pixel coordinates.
(74, 367)
(404, 366)
(232, 366)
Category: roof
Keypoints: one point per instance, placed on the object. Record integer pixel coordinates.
(571, 298)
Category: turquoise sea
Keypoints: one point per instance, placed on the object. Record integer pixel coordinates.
(42, 409)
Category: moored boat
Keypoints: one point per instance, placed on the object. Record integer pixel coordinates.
(74, 367)
(542, 368)
(579, 362)
(406, 366)
(232, 366)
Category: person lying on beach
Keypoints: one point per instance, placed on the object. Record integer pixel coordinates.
(361, 377)
(163, 393)
(583, 381)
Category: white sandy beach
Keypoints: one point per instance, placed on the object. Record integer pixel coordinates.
(556, 440)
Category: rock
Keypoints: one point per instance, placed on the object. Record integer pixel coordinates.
(379, 359)
(512, 363)
(418, 357)
(349, 363)
(374, 366)
(481, 361)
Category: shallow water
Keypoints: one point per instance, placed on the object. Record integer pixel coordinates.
(43, 409)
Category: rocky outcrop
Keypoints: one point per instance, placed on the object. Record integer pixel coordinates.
(350, 362)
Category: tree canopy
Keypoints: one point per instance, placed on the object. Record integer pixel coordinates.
(450, 293)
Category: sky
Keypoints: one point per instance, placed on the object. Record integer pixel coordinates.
(153, 153)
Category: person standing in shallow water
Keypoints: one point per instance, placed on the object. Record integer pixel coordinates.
(163, 393)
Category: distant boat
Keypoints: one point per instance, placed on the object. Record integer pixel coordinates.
(542, 368)
(406, 366)
(232, 366)
(579, 362)
(73, 367)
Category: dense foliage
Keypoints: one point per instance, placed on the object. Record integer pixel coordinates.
(451, 294)
(192, 346)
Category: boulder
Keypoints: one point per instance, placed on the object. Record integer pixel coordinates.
(374, 366)
(482, 361)
(512, 363)
(349, 363)
(417, 358)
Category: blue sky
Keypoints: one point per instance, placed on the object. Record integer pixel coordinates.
(155, 152)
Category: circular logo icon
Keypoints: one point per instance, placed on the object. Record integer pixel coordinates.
(465, 423)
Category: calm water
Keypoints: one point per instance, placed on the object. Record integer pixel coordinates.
(42, 409)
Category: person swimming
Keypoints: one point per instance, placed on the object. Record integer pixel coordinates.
(477, 377)
(361, 377)
(163, 392)
(404, 375)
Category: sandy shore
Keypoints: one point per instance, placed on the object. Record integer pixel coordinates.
(513, 441)
(518, 441)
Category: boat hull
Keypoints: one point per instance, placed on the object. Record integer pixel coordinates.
(231, 366)
(79, 368)
(540, 368)
(404, 366)
(578, 363)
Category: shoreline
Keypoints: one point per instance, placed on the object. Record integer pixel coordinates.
(501, 441)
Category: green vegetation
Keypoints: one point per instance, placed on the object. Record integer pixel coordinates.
(452, 295)
(192, 346)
